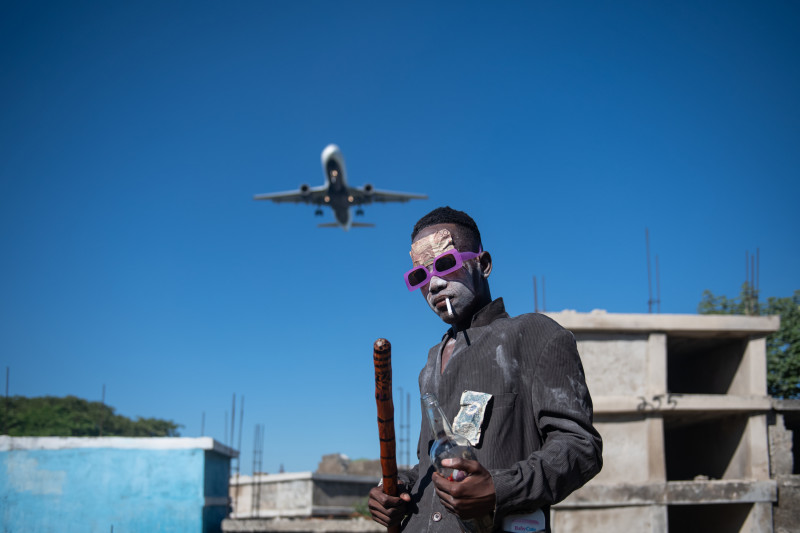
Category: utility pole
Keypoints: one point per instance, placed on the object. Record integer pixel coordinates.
(102, 408)
(650, 300)
(5, 429)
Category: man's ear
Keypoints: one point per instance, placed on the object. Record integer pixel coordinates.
(485, 260)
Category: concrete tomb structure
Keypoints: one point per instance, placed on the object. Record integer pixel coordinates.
(334, 490)
(299, 494)
(682, 405)
(784, 446)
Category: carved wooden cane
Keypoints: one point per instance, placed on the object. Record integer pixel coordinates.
(382, 356)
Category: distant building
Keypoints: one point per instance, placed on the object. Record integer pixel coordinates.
(98, 485)
(335, 490)
(338, 463)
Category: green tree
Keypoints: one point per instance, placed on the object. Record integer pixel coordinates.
(49, 416)
(783, 346)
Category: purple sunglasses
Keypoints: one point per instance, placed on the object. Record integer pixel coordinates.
(443, 264)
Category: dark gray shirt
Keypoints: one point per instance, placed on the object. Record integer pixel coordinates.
(537, 438)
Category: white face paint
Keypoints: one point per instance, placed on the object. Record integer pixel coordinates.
(456, 289)
(459, 287)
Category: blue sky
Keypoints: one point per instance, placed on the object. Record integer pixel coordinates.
(133, 136)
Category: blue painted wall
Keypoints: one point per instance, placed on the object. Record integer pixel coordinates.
(217, 474)
(91, 489)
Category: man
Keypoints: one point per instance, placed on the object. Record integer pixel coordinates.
(515, 386)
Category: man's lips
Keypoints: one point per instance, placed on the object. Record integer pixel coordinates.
(440, 301)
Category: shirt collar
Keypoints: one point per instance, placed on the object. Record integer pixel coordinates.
(486, 315)
(489, 313)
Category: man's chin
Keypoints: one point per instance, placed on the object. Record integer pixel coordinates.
(446, 317)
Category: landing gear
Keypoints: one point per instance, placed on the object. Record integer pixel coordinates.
(318, 212)
(359, 212)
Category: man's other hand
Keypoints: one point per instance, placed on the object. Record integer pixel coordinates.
(388, 510)
(470, 498)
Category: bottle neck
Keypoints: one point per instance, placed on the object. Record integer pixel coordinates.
(440, 425)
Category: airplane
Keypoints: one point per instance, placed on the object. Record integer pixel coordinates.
(337, 195)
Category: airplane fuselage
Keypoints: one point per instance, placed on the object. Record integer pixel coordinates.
(336, 179)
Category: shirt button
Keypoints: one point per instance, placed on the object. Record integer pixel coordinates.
(437, 516)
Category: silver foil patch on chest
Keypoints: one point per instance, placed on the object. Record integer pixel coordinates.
(469, 419)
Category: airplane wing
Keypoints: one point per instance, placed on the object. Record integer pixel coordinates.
(306, 194)
(367, 195)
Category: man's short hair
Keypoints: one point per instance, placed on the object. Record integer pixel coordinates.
(447, 215)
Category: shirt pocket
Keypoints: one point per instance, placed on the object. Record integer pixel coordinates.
(500, 411)
(503, 401)
(500, 424)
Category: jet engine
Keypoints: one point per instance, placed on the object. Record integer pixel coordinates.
(304, 189)
(368, 189)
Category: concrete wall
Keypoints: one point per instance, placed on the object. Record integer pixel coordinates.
(681, 403)
(131, 484)
(302, 525)
(301, 494)
(784, 435)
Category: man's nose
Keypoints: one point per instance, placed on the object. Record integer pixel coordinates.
(436, 284)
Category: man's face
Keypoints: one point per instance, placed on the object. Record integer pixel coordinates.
(463, 287)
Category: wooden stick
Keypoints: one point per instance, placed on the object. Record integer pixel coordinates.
(382, 356)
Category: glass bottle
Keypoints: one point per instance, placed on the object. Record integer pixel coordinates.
(446, 445)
